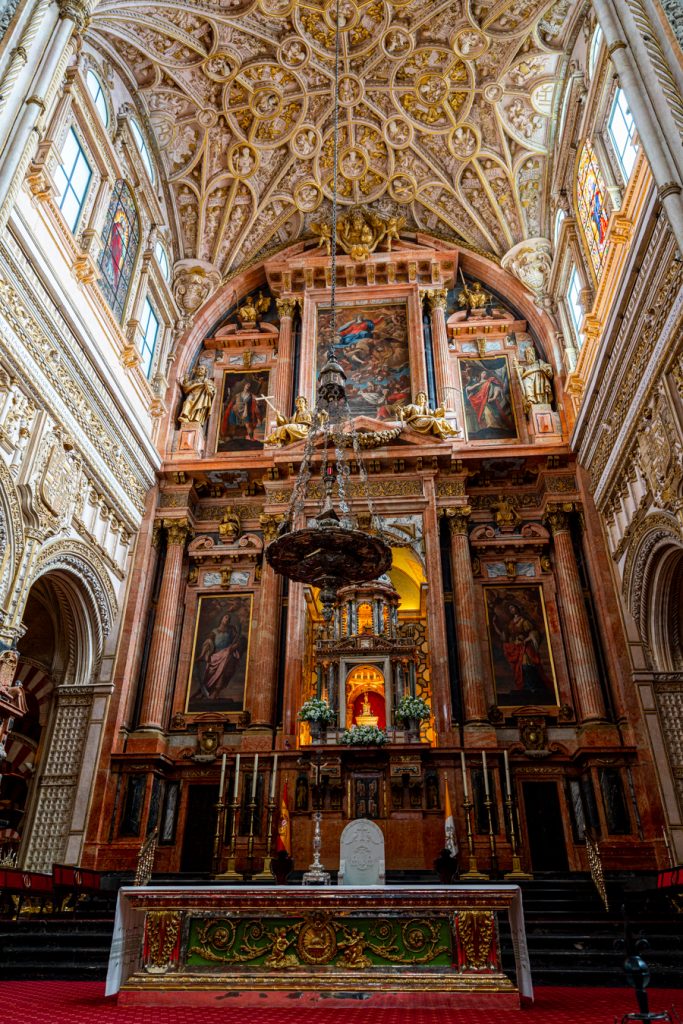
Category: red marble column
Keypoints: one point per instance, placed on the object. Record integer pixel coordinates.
(436, 618)
(282, 398)
(464, 602)
(161, 651)
(583, 666)
(262, 690)
(436, 301)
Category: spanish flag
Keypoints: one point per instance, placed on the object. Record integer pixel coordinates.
(284, 833)
(451, 843)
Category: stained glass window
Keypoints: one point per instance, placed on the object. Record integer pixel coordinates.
(121, 236)
(590, 196)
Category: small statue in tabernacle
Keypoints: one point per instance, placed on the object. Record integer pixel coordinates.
(295, 428)
(535, 376)
(230, 526)
(199, 393)
(252, 309)
(419, 417)
(475, 299)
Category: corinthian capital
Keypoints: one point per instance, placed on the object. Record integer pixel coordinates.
(458, 518)
(437, 298)
(286, 307)
(77, 10)
(556, 516)
(176, 531)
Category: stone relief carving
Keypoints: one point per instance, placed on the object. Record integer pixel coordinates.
(530, 261)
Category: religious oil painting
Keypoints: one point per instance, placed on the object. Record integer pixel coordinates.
(371, 345)
(220, 655)
(487, 400)
(521, 657)
(243, 411)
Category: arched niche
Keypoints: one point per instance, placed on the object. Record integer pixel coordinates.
(653, 588)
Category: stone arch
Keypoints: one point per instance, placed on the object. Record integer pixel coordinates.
(11, 531)
(653, 585)
(77, 607)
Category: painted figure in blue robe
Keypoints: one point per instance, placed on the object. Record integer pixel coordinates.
(358, 330)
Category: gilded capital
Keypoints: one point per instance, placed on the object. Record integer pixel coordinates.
(270, 526)
(176, 531)
(437, 298)
(458, 518)
(286, 307)
(156, 532)
(556, 517)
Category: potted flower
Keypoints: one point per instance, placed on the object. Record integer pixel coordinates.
(411, 711)
(364, 736)
(318, 713)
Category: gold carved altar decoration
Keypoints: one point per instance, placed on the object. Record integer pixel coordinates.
(445, 119)
(359, 233)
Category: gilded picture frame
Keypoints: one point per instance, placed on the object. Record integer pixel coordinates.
(219, 665)
(243, 413)
(488, 404)
(520, 650)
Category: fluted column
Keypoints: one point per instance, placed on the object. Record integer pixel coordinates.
(436, 302)
(436, 617)
(161, 650)
(263, 668)
(284, 384)
(464, 600)
(579, 643)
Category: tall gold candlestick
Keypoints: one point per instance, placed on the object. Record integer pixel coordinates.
(230, 874)
(473, 874)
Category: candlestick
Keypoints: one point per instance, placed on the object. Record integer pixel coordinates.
(221, 784)
(273, 778)
(254, 778)
(486, 774)
(473, 874)
(507, 774)
(237, 777)
(516, 872)
(464, 775)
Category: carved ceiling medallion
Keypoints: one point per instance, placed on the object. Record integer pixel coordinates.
(445, 113)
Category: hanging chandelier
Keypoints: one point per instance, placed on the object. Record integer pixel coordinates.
(330, 551)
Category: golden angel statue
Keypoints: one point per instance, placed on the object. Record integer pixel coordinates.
(294, 429)
(419, 417)
(199, 393)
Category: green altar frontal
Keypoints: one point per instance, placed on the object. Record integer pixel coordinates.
(181, 945)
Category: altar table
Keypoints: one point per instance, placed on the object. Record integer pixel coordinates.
(194, 945)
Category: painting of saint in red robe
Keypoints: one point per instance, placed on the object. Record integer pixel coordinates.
(486, 398)
(520, 650)
(218, 672)
(243, 411)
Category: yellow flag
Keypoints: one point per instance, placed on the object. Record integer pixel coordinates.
(451, 843)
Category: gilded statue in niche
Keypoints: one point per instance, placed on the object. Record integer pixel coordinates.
(252, 309)
(295, 428)
(420, 417)
(535, 376)
(474, 299)
(199, 392)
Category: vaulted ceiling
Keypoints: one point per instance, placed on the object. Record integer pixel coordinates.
(446, 113)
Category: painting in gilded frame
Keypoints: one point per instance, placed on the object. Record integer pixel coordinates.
(242, 423)
(521, 658)
(371, 345)
(220, 654)
(487, 399)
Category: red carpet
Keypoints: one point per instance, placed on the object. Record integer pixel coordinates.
(63, 1002)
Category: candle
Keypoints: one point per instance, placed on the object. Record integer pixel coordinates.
(486, 774)
(237, 778)
(507, 773)
(273, 779)
(254, 778)
(464, 774)
(222, 782)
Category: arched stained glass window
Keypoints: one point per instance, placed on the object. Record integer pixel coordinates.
(121, 236)
(591, 202)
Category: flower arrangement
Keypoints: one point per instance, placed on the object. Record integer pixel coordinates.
(364, 736)
(412, 707)
(317, 710)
